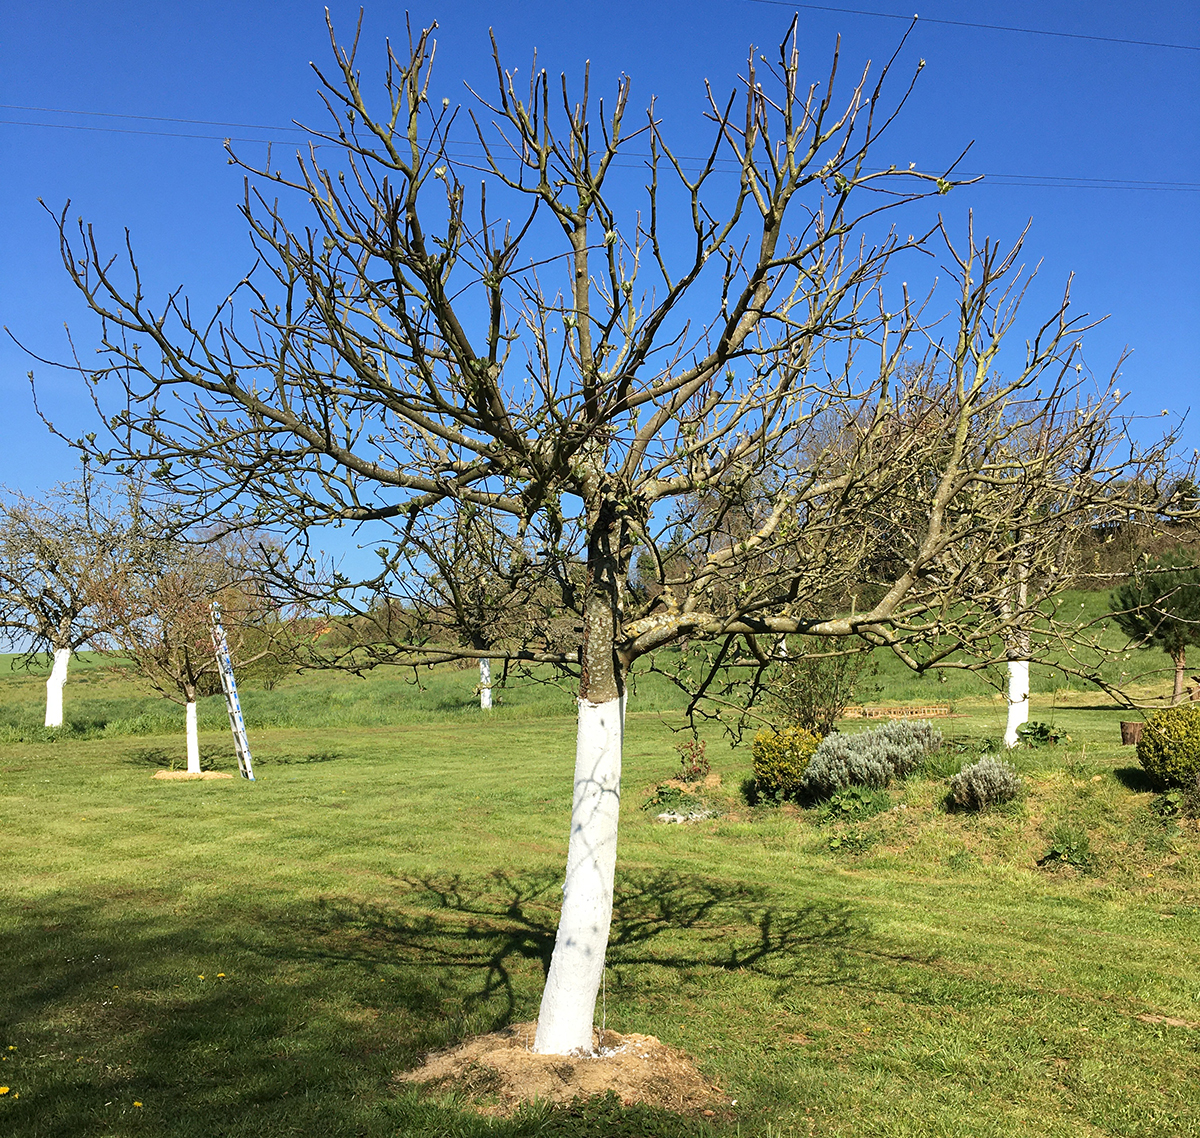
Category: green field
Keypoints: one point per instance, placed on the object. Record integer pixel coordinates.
(262, 959)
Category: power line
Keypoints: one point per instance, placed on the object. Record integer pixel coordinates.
(970, 24)
(148, 118)
(993, 178)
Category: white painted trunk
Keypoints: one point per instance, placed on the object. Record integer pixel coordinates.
(55, 685)
(1018, 700)
(485, 684)
(577, 965)
(193, 740)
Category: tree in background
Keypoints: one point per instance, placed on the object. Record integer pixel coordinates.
(1160, 608)
(62, 556)
(579, 356)
(161, 622)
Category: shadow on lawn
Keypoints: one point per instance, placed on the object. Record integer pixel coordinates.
(323, 1002)
(497, 933)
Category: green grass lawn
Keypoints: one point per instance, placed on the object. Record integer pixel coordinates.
(262, 959)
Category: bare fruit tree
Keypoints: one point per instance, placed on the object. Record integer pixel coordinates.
(604, 349)
(160, 621)
(62, 555)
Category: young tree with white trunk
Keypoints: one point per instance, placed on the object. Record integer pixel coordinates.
(161, 622)
(575, 334)
(61, 556)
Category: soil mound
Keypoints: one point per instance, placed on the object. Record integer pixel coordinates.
(500, 1070)
(186, 775)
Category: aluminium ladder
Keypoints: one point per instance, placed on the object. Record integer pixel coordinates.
(241, 744)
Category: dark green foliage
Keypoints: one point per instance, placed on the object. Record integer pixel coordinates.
(855, 802)
(1069, 845)
(1038, 734)
(1182, 803)
(1169, 748)
(871, 758)
(780, 760)
(1160, 608)
(989, 782)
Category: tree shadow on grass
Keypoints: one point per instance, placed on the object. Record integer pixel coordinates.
(322, 1002)
(170, 758)
(495, 934)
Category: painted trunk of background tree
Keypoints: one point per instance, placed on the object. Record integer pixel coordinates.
(54, 687)
(1017, 646)
(485, 684)
(736, 404)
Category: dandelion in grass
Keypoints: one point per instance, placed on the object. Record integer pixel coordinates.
(3, 1090)
(136, 1103)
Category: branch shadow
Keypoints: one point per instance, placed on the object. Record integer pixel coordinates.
(326, 999)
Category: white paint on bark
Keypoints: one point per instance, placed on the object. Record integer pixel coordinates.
(1018, 700)
(485, 684)
(55, 685)
(193, 740)
(577, 965)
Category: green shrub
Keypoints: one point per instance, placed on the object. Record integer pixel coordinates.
(780, 759)
(1169, 748)
(989, 782)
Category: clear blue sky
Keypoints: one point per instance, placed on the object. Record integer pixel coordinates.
(1096, 142)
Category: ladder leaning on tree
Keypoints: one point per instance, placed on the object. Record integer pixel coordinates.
(241, 744)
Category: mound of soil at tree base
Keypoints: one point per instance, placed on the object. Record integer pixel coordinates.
(188, 775)
(501, 1070)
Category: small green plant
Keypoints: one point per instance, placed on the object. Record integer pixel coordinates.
(693, 762)
(1069, 845)
(1183, 802)
(852, 842)
(1038, 734)
(986, 783)
(855, 802)
(780, 760)
(1169, 748)
(670, 798)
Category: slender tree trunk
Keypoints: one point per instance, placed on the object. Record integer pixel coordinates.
(193, 739)
(54, 687)
(1018, 700)
(485, 684)
(1180, 659)
(1018, 661)
(577, 965)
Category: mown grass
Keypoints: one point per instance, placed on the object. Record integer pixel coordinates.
(261, 959)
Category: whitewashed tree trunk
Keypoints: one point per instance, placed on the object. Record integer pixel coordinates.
(54, 687)
(1018, 700)
(577, 966)
(193, 740)
(485, 684)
